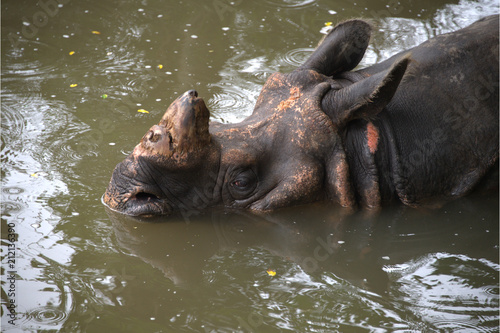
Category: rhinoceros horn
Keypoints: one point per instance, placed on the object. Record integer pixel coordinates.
(181, 132)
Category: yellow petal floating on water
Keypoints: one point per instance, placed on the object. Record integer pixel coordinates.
(73, 85)
(271, 272)
(104, 96)
(72, 52)
(160, 66)
(142, 111)
(328, 24)
(96, 32)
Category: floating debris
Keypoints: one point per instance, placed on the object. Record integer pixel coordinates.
(271, 272)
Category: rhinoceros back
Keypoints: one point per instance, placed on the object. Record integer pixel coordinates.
(444, 117)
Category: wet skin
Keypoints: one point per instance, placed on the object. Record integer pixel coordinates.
(420, 128)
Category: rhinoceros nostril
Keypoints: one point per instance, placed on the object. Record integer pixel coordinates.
(156, 137)
(193, 93)
(153, 136)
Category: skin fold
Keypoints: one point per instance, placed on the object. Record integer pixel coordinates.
(420, 128)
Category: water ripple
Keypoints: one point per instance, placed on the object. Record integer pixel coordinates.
(12, 125)
(231, 104)
(295, 57)
(491, 290)
(32, 69)
(457, 326)
(427, 282)
(12, 190)
(10, 207)
(65, 151)
(47, 315)
(298, 4)
(29, 69)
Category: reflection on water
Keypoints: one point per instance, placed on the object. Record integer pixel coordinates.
(407, 33)
(402, 269)
(449, 290)
(72, 83)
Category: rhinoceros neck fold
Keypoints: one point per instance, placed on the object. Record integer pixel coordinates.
(371, 157)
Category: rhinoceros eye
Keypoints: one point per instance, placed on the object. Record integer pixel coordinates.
(243, 184)
(240, 183)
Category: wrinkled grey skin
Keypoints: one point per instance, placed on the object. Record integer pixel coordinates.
(420, 128)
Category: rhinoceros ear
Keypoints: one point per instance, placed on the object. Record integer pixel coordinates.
(341, 50)
(365, 98)
(182, 129)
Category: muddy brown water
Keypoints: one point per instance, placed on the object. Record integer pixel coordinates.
(75, 74)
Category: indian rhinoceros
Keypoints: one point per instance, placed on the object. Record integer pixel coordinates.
(420, 127)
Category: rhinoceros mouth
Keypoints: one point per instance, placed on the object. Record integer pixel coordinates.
(145, 197)
(145, 203)
(140, 203)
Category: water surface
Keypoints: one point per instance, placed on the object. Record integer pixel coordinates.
(74, 76)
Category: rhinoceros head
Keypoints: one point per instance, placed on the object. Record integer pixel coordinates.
(288, 152)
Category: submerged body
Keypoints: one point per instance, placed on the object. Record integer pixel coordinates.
(420, 127)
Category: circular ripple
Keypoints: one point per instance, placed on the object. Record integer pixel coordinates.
(456, 326)
(12, 190)
(68, 154)
(232, 104)
(65, 152)
(19, 67)
(295, 57)
(47, 315)
(227, 101)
